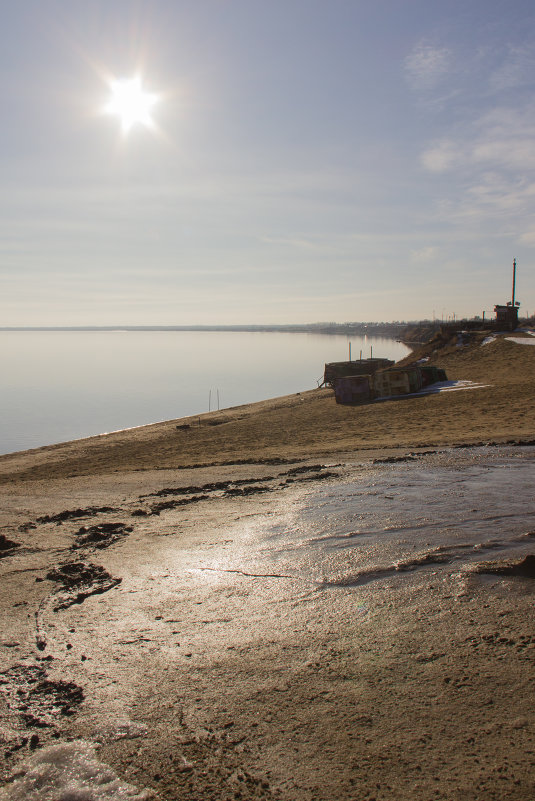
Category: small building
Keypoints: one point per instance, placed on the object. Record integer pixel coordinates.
(353, 389)
(334, 370)
(398, 381)
(386, 383)
(507, 316)
(432, 374)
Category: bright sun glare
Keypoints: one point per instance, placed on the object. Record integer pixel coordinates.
(131, 103)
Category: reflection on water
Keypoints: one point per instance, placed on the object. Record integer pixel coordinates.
(61, 385)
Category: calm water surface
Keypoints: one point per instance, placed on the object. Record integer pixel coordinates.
(62, 385)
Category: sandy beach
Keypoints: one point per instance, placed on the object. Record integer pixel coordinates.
(171, 617)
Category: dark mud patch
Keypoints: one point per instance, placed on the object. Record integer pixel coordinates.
(37, 700)
(164, 506)
(7, 547)
(395, 459)
(237, 492)
(73, 514)
(231, 488)
(313, 477)
(230, 462)
(100, 536)
(524, 569)
(213, 486)
(311, 468)
(78, 581)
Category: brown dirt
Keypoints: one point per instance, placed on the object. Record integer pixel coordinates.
(428, 695)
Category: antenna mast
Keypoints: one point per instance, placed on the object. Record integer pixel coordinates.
(514, 282)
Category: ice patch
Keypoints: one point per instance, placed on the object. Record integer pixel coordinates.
(488, 340)
(70, 772)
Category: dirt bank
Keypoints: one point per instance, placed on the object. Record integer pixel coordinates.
(147, 610)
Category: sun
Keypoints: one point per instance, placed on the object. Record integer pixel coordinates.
(131, 103)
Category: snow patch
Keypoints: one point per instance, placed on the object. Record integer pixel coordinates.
(451, 386)
(70, 772)
(521, 340)
(439, 386)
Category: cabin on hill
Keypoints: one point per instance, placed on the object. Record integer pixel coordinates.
(362, 382)
(334, 370)
(508, 315)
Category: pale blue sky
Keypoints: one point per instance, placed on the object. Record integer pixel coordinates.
(312, 160)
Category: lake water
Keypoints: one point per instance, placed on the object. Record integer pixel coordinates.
(63, 385)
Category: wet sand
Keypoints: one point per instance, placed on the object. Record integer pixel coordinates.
(139, 612)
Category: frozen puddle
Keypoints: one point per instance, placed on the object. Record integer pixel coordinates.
(70, 772)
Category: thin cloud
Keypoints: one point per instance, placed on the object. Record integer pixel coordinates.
(424, 255)
(442, 156)
(515, 70)
(293, 242)
(426, 65)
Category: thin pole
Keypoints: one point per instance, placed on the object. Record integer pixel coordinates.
(350, 351)
(218, 400)
(210, 401)
(514, 281)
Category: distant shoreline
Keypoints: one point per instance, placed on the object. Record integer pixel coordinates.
(390, 330)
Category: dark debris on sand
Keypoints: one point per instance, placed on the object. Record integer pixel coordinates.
(80, 580)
